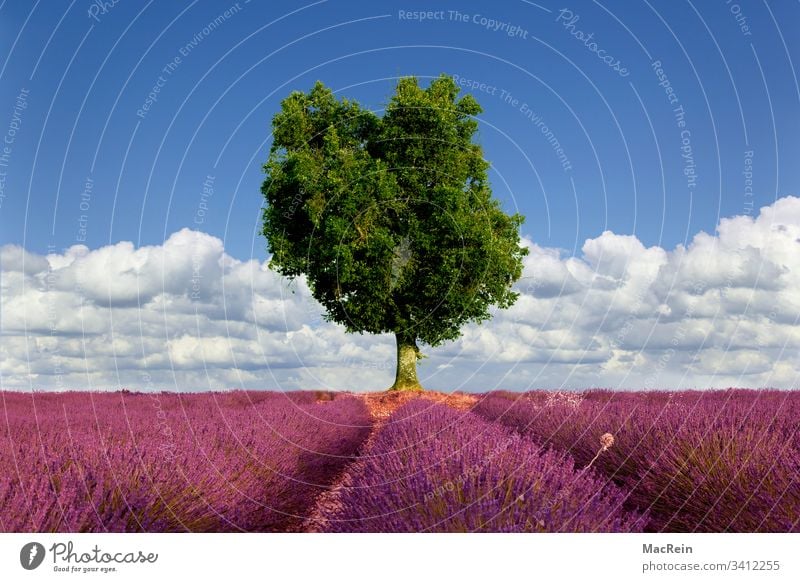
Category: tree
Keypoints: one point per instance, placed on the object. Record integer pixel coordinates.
(391, 219)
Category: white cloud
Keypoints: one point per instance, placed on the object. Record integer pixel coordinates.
(723, 310)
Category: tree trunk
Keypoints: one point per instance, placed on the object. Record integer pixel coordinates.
(407, 355)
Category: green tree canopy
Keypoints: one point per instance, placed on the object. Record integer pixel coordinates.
(390, 218)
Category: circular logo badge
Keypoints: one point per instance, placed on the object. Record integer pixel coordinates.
(31, 555)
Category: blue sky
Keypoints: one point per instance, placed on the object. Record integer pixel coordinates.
(87, 79)
(93, 161)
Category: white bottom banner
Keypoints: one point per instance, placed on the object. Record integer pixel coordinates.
(355, 557)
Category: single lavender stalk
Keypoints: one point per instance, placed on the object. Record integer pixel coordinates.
(606, 442)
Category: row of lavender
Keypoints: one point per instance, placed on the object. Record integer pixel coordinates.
(722, 461)
(435, 469)
(84, 462)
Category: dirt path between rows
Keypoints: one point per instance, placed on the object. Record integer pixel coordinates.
(381, 405)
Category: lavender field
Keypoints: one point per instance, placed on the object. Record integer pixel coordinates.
(86, 462)
(599, 461)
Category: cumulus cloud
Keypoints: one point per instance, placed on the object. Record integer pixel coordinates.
(722, 310)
